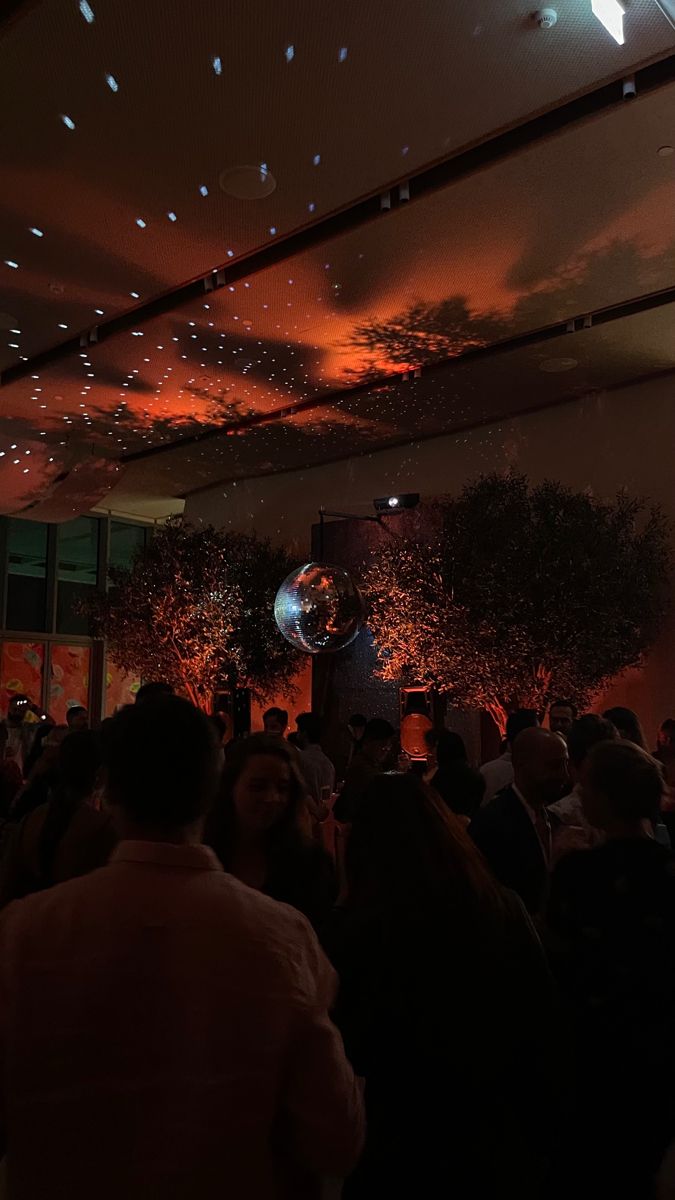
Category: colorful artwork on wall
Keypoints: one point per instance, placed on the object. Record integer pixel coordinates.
(120, 689)
(69, 683)
(21, 667)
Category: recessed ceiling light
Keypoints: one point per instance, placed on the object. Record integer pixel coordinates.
(665, 151)
(289, 53)
(217, 64)
(112, 83)
(87, 12)
(134, 295)
(554, 366)
(99, 312)
(9, 262)
(140, 222)
(67, 121)
(172, 216)
(610, 14)
(36, 232)
(62, 326)
(248, 182)
(203, 190)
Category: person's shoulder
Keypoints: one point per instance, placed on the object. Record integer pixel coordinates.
(37, 912)
(279, 932)
(498, 808)
(488, 767)
(262, 916)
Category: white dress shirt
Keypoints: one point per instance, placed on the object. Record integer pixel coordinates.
(318, 770)
(498, 774)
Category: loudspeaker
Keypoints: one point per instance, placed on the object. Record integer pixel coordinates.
(416, 710)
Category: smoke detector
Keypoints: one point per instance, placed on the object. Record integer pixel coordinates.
(546, 18)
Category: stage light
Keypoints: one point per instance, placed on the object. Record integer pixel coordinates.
(610, 14)
(392, 504)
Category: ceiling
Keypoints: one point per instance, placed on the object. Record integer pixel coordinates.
(332, 327)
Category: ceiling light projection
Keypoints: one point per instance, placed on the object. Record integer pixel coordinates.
(610, 14)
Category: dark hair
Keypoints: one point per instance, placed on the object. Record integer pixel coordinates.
(153, 691)
(668, 726)
(564, 704)
(221, 828)
(79, 766)
(309, 724)
(450, 748)
(630, 779)
(162, 762)
(357, 721)
(405, 848)
(628, 724)
(276, 714)
(585, 733)
(74, 711)
(516, 722)
(378, 730)
(460, 787)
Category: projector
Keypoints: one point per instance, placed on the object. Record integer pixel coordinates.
(392, 504)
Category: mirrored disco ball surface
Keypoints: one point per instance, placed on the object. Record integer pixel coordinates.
(319, 608)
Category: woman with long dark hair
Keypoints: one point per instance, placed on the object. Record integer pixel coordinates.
(444, 1004)
(628, 725)
(67, 836)
(261, 828)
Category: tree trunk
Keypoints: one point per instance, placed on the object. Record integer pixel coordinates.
(499, 714)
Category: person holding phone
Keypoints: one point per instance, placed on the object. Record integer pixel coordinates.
(20, 733)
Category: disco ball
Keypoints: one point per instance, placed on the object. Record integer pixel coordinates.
(319, 608)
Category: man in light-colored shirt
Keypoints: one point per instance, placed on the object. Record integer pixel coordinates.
(498, 772)
(572, 830)
(514, 831)
(163, 1028)
(316, 766)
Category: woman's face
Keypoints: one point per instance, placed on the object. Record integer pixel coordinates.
(262, 793)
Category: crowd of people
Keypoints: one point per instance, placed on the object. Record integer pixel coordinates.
(204, 991)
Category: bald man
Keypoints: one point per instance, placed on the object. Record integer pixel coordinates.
(514, 830)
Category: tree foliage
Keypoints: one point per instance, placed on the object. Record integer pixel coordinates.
(196, 608)
(518, 594)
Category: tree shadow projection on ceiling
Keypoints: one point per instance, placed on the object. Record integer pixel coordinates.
(429, 332)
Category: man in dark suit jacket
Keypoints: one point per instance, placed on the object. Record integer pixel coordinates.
(513, 831)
